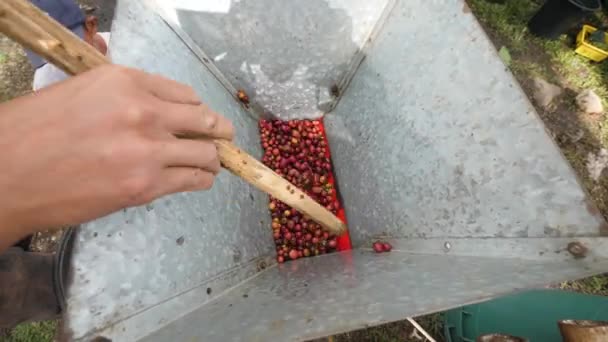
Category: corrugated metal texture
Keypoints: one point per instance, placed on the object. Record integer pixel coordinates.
(434, 138)
(319, 296)
(139, 258)
(287, 55)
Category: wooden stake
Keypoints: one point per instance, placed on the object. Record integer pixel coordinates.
(29, 26)
(583, 331)
(422, 331)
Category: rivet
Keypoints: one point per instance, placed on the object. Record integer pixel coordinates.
(577, 249)
(447, 246)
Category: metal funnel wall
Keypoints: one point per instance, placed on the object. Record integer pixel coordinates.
(291, 57)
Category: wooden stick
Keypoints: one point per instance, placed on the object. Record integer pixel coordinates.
(32, 28)
(419, 328)
(583, 330)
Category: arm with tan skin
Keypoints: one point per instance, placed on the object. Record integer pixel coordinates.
(99, 142)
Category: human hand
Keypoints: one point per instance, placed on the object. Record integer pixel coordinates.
(100, 142)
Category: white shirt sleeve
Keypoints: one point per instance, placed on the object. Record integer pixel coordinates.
(49, 74)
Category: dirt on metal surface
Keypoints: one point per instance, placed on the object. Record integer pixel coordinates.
(580, 136)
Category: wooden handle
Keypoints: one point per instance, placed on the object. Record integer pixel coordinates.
(263, 178)
(583, 330)
(28, 25)
(32, 28)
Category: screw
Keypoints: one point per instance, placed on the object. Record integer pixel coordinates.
(447, 246)
(577, 249)
(101, 339)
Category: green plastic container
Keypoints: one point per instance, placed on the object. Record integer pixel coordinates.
(531, 314)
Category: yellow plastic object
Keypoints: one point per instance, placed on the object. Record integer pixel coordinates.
(585, 47)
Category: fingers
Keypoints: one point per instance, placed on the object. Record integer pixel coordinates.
(200, 154)
(181, 109)
(179, 179)
(194, 121)
(169, 90)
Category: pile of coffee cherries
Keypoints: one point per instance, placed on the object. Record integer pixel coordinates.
(297, 150)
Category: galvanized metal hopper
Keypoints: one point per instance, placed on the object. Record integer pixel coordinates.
(435, 148)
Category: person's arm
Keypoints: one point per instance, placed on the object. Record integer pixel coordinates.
(97, 143)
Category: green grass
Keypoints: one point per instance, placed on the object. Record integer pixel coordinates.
(32, 332)
(506, 20)
(506, 24)
(593, 285)
(579, 71)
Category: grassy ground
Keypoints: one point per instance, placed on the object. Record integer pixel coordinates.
(16, 73)
(33, 332)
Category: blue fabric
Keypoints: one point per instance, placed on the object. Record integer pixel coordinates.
(67, 13)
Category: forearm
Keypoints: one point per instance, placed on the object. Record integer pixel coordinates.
(11, 230)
